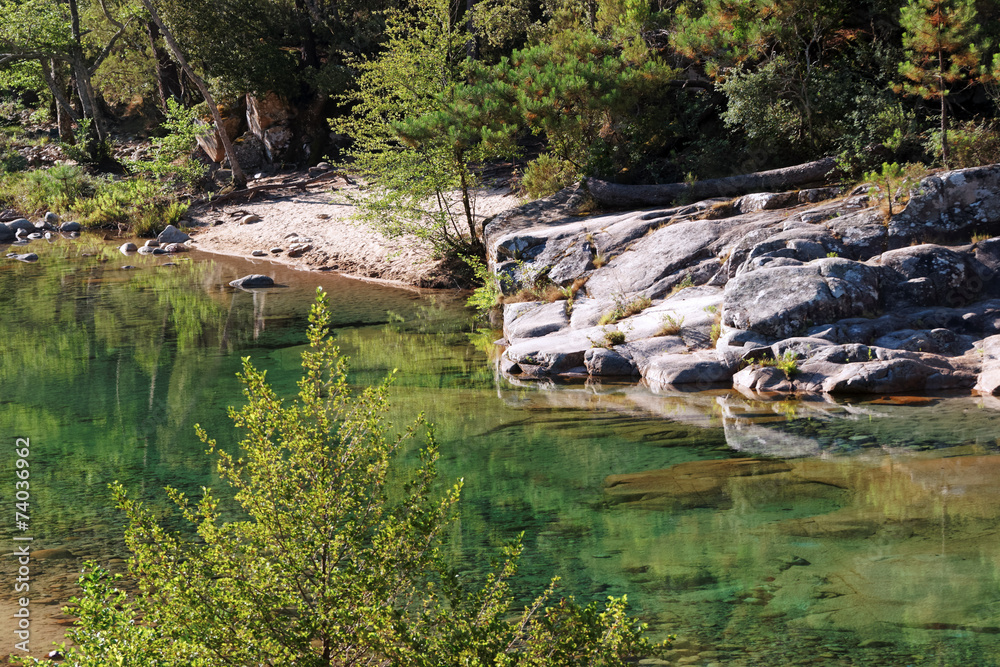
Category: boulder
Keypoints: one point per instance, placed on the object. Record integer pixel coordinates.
(929, 274)
(70, 226)
(989, 379)
(126, 248)
(211, 142)
(253, 280)
(702, 369)
(763, 379)
(250, 151)
(171, 234)
(604, 362)
(27, 257)
(51, 218)
(534, 319)
(554, 354)
(152, 243)
(21, 223)
(7, 234)
(175, 247)
(269, 118)
(783, 301)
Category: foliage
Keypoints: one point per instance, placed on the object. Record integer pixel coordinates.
(892, 185)
(787, 364)
(601, 106)
(625, 308)
(670, 325)
(413, 140)
(89, 148)
(489, 294)
(337, 560)
(172, 152)
(970, 144)
(140, 206)
(940, 41)
(57, 188)
(609, 338)
(137, 205)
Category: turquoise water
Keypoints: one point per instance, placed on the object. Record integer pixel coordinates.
(868, 534)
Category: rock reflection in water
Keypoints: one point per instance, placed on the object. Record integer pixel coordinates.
(880, 519)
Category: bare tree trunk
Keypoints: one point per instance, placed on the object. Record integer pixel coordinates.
(625, 196)
(239, 178)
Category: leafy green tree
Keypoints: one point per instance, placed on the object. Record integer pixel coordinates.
(338, 559)
(940, 41)
(415, 141)
(777, 62)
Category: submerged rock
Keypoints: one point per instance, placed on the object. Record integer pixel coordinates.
(253, 280)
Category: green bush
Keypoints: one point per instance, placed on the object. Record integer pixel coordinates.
(340, 559)
(139, 206)
(971, 144)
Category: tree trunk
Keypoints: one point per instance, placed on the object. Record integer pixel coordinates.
(944, 112)
(65, 115)
(239, 178)
(628, 196)
(82, 73)
(168, 80)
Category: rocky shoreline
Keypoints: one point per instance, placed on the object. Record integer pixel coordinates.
(805, 291)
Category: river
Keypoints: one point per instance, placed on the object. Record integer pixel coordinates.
(781, 532)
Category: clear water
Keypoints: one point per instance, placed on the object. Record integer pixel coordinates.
(859, 533)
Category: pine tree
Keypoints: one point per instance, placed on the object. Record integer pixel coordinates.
(940, 51)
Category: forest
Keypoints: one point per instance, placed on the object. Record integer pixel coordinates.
(630, 91)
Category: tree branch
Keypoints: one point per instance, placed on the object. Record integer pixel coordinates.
(111, 42)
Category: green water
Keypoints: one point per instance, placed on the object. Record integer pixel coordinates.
(876, 540)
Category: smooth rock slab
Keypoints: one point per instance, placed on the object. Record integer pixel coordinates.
(253, 280)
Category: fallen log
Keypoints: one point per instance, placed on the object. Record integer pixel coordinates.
(250, 193)
(615, 195)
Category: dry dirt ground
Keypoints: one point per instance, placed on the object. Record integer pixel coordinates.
(320, 216)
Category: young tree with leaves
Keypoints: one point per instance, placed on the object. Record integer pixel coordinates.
(940, 41)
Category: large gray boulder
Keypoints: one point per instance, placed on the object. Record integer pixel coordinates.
(930, 275)
(21, 223)
(171, 234)
(783, 301)
(7, 234)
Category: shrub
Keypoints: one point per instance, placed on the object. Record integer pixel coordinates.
(609, 338)
(625, 309)
(339, 561)
(787, 364)
(670, 326)
(970, 144)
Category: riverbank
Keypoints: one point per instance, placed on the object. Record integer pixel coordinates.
(809, 291)
(313, 229)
